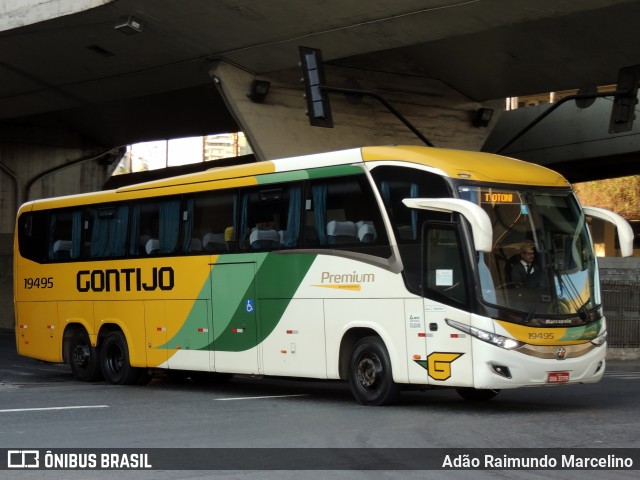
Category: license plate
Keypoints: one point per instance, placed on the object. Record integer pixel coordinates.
(558, 377)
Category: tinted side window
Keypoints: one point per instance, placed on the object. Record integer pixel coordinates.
(270, 217)
(342, 213)
(65, 235)
(105, 231)
(398, 183)
(32, 235)
(208, 220)
(444, 276)
(155, 226)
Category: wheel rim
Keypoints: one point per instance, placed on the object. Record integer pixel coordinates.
(81, 356)
(369, 371)
(114, 359)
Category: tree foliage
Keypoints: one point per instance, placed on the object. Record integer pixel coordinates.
(621, 195)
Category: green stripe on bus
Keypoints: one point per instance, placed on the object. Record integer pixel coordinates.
(322, 172)
(282, 177)
(277, 279)
(335, 171)
(248, 299)
(588, 332)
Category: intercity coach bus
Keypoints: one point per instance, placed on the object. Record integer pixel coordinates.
(389, 267)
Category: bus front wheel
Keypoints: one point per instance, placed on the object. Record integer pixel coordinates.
(114, 359)
(84, 358)
(370, 376)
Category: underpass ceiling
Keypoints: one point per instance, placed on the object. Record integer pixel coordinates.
(77, 69)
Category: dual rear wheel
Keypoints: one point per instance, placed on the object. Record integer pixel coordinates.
(110, 361)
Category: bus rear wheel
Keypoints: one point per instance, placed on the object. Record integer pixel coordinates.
(114, 360)
(84, 357)
(370, 376)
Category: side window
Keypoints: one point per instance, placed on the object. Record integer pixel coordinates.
(444, 276)
(65, 235)
(342, 213)
(270, 217)
(105, 230)
(32, 235)
(208, 220)
(398, 183)
(155, 225)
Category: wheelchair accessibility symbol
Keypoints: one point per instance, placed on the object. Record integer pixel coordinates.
(250, 306)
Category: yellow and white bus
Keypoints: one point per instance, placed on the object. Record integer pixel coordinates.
(384, 266)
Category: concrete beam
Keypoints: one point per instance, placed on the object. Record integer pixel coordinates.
(574, 141)
(18, 13)
(278, 127)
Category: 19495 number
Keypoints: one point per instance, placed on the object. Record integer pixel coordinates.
(43, 282)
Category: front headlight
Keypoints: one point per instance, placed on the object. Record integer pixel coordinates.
(492, 338)
(600, 339)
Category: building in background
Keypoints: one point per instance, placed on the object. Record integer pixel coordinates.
(146, 156)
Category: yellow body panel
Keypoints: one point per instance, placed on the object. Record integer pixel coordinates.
(156, 314)
(477, 166)
(239, 175)
(546, 336)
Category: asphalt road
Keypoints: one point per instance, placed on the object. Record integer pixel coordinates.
(43, 407)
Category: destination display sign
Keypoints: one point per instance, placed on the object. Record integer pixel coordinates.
(495, 196)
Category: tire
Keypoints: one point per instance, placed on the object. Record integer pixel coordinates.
(114, 360)
(477, 394)
(370, 375)
(84, 358)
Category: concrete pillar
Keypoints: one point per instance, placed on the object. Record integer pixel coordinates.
(39, 162)
(278, 127)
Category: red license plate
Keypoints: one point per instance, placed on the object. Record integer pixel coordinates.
(558, 377)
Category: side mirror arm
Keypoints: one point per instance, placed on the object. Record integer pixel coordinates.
(625, 232)
(478, 219)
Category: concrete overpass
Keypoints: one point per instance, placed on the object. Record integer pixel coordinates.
(78, 80)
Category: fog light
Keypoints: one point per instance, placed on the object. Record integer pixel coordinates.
(501, 370)
(599, 367)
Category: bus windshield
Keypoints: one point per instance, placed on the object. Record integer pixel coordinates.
(542, 262)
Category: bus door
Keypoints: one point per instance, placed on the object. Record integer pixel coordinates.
(235, 332)
(446, 298)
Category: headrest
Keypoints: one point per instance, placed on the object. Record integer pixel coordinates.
(367, 233)
(62, 245)
(153, 245)
(335, 229)
(213, 238)
(270, 235)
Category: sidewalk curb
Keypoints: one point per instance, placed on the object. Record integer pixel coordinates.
(626, 354)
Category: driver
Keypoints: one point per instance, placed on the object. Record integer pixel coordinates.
(525, 273)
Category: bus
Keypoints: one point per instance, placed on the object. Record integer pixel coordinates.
(389, 267)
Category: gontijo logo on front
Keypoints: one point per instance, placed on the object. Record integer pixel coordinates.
(345, 281)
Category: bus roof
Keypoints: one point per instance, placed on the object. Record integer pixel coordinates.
(474, 166)
(478, 166)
